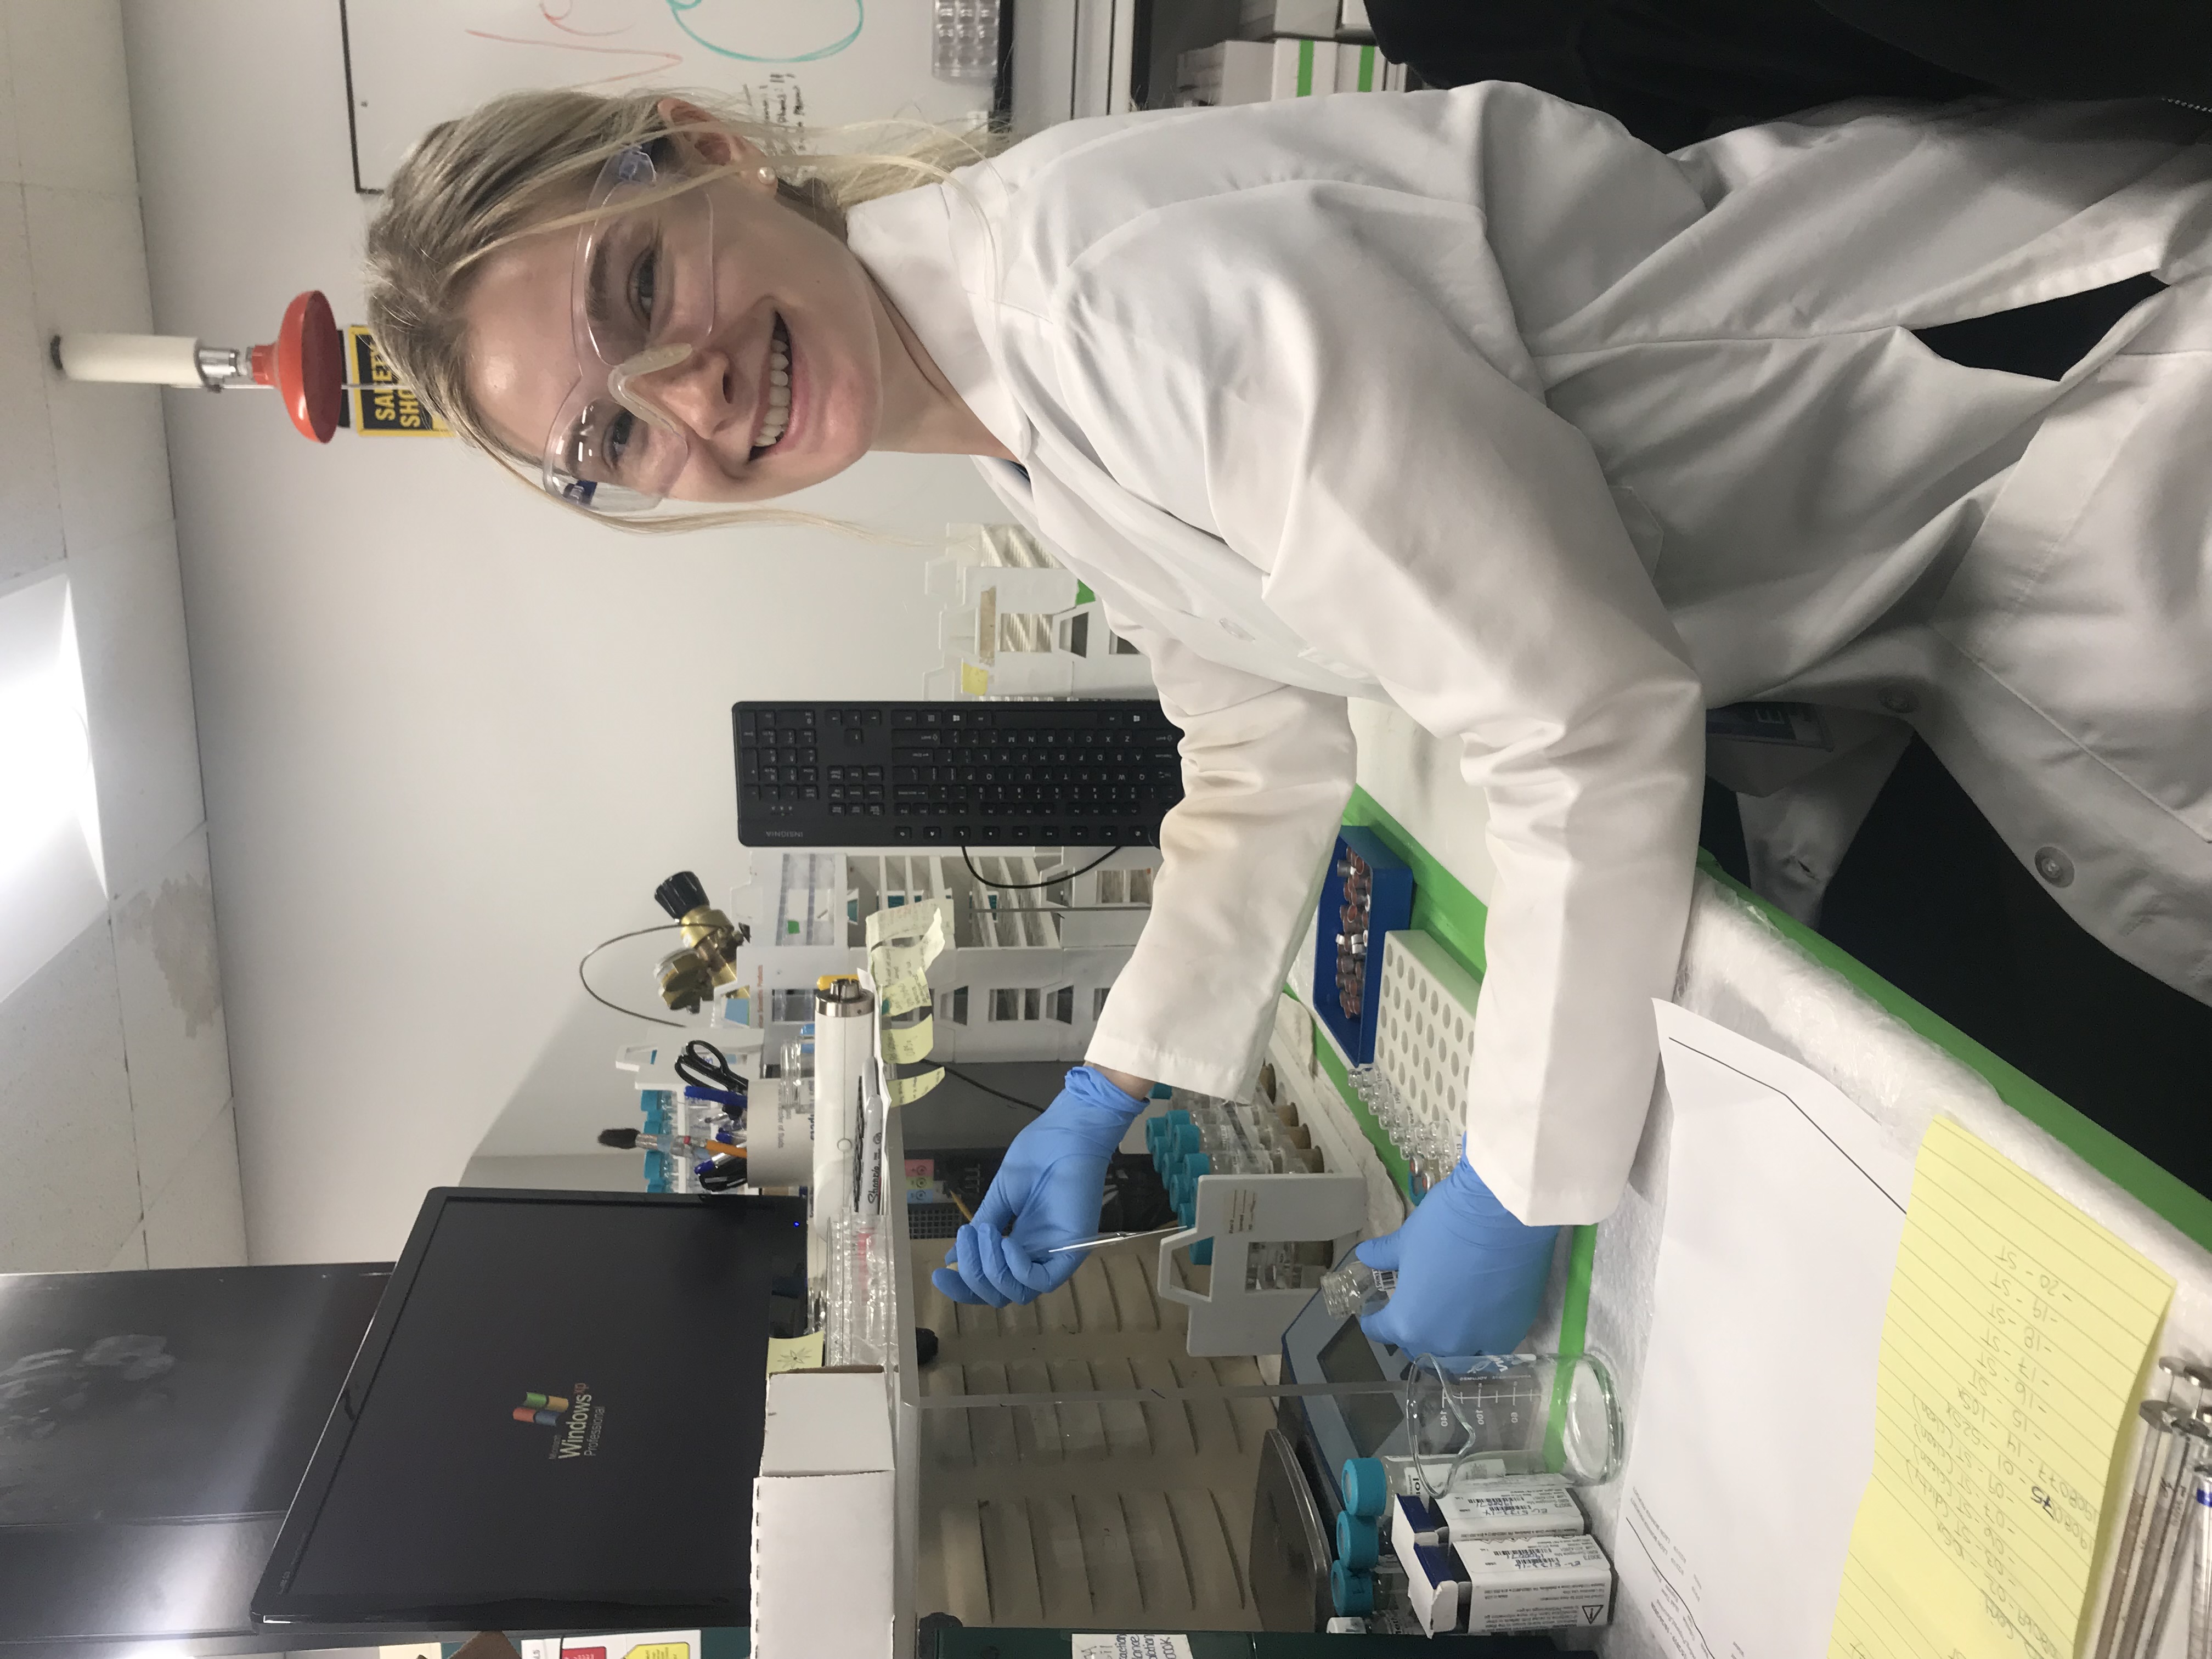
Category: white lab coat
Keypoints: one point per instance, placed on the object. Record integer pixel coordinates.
(1470, 401)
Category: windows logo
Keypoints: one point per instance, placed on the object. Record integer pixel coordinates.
(547, 1409)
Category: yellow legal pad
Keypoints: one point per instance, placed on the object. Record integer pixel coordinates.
(2017, 1334)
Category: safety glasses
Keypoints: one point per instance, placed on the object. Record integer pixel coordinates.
(641, 301)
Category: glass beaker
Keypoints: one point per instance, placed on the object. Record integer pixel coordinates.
(1514, 1413)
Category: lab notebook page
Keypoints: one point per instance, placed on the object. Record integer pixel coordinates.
(2017, 1332)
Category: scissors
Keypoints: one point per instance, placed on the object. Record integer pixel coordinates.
(706, 1070)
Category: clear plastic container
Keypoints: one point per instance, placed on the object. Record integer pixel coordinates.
(1515, 1413)
(858, 1327)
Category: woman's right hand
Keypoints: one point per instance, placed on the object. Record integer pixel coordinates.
(1049, 1191)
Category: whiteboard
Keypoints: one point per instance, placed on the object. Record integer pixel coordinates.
(803, 64)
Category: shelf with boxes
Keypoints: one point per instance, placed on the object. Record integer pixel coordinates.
(1288, 49)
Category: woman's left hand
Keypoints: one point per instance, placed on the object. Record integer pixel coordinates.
(1470, 1277)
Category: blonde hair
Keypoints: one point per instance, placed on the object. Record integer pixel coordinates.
(521, 165)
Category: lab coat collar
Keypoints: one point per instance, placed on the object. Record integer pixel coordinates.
(930, 250)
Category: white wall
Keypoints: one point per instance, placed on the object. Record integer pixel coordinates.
(450, 736)
(116, 1146)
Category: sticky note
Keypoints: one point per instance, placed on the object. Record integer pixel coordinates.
(904, 1044)
(903, 994)
(905, 921)
(976, 681)
(795, 1353)
(905, 1090)
(2012, 1356)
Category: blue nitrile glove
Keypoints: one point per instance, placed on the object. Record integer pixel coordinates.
(1470, 1275)
(1049, 1191)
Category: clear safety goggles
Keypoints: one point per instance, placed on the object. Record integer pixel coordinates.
(641, 301)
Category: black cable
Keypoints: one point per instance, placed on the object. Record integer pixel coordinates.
(1049, 881)
(661, 928)
(1012, 1100)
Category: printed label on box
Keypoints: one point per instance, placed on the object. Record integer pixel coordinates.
(1130, 1647)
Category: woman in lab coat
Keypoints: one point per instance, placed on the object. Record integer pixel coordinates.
(1467, 401)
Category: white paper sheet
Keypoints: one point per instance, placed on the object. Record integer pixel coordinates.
(1754, 1433)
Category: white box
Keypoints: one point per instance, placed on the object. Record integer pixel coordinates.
(824, 1563)
(1535, 1584)
(1361, 69)
(1537, 1504)
(1415, 1523)
(826, 1422)
(1432, 1585)
(1233, 72)
(1264, 19)
(1303, 69)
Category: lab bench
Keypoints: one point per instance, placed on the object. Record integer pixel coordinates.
(1045, 1513)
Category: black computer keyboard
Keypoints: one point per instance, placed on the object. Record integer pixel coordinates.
(1073, 772)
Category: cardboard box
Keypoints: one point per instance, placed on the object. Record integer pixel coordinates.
(1265, 20)
(1539, 1505)
(1533, 1583)
(824, 1520)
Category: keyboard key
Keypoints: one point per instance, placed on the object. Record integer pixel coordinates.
(875, 811)
(875, 774)
(810, 793)
(837, 774)
(906, 832)
(875, 717)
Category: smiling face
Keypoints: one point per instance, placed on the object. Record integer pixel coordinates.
(784, 291)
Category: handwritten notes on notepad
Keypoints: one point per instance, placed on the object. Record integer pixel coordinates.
(2017, 1332)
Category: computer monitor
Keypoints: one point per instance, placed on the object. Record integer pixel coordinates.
(553, 1422)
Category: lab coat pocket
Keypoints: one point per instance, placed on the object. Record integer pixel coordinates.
(2088, 590)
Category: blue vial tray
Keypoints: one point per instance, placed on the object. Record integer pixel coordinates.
(1389, 910)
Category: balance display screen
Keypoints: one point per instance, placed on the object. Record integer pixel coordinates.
(1349, 1357)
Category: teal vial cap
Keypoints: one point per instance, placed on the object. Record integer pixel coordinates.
(1357, 1541)
(1366, 1488)
(1352, 1593)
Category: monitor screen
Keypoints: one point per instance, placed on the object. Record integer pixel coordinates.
(1349, 1357)
(555, 1419)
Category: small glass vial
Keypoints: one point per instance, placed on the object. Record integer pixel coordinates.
(1352, 1287)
